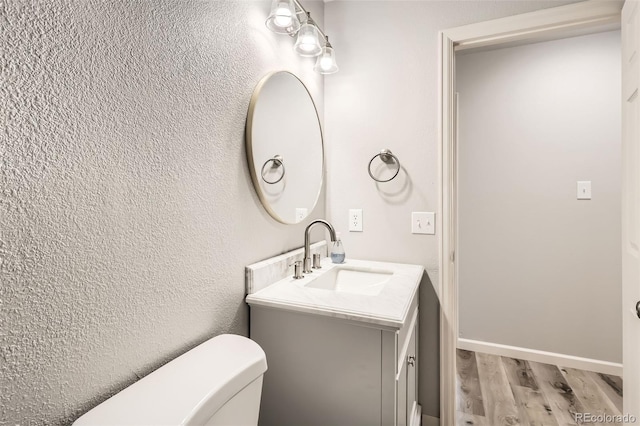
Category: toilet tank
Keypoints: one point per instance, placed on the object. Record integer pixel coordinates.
(216, 383)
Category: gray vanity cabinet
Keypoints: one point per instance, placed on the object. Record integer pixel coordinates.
(324, 370)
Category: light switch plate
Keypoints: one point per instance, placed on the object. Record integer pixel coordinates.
(355, 220)
(584, 190)
(423, 223)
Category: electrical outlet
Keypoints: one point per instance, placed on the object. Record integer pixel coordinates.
(301, 213)
(355, 220)
(423, 223)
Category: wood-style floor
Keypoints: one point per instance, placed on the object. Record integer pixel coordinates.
(495, 391)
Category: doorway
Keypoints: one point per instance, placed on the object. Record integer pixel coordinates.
(542, 25)
(533, 254)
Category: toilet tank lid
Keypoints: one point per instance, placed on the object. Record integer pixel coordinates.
(198, 383)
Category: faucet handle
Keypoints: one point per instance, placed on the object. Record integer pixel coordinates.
(316, 261)
(297, 269)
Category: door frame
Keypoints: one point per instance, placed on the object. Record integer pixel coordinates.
(545, 24)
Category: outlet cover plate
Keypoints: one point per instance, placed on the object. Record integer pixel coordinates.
(301, 213)
(355, 220)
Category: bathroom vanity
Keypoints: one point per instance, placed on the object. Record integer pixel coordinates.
(341, 345)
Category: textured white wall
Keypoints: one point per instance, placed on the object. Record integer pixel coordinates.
(126, 207)
(386, 96)
(537, 268)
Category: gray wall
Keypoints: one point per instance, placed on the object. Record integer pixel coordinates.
(127, 210)
(386, 96)
(539, 269)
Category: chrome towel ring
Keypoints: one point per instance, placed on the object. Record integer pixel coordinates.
(387, 157)
(277, 162)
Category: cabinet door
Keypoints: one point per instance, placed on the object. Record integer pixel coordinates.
(412, 379)
(407, 409)
(401, 401)
(407, 381)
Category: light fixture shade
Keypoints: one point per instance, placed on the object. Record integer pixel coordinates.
(308, 43)
(326, 63)
(283, 18)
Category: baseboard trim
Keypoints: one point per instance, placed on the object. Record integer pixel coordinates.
(542, 356)
(430, 421)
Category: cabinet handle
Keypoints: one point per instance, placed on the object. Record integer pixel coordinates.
(411, 360)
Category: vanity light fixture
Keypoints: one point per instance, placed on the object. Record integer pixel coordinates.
(307, 43)
(326, 63)
(285, 18)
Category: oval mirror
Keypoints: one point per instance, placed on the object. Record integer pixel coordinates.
(284, 147)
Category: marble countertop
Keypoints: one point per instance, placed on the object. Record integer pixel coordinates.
(389, 308)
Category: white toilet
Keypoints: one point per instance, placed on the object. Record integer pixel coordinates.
(217, 383)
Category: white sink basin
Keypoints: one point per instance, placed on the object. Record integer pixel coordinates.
(354, 280)
(358, 290)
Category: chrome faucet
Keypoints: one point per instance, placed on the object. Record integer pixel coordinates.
(307, 255)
